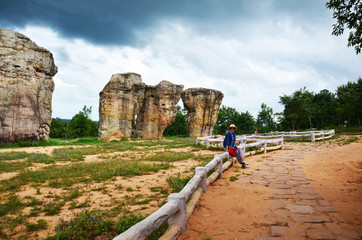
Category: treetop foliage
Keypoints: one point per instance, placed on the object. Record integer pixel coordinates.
(348, 13)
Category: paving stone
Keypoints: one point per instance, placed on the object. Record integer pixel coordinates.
(282, 185)
(285, 196)
(282, 215)
(320, 234)
(351, 235)
(324, 202)
(301, 182)
(305, 190)
(334, 228)
(282, 178)
(299, 178)
(310, 218)
(300, 209)
(307, 196)
(278, 231)
(283, 191)
(296, 229)
(306, 202)
(325, 209)
(277, 203)
(297, 174)
(268, 238)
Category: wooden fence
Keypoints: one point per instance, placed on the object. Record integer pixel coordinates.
(313, 135)
(176, 211)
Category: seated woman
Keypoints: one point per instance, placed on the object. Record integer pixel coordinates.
(230, 141)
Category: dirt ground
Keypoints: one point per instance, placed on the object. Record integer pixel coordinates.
(235, 210)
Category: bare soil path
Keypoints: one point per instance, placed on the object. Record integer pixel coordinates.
(306, 191)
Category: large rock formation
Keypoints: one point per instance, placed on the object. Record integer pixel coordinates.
(202, 106)
(158, 109)
(26, 88)
(119, 103)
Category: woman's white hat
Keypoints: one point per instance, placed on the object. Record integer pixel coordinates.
(233, 126)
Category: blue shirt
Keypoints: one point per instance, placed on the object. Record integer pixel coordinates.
(230, 139)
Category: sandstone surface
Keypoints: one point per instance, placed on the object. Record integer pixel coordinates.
(26, 88)
(158, 109)
(119, 103)
(202, 106)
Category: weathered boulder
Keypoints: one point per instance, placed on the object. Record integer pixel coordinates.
(26, 88)
(119, 103)
(202, 106)
(158, 109)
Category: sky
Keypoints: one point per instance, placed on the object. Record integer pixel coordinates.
(252, 51)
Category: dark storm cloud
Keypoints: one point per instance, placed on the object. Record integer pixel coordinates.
(113, 22)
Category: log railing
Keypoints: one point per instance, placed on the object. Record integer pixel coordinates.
(314, 136)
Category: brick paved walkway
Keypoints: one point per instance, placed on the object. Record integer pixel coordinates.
(296, 211)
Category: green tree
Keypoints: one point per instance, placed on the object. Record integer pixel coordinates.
(59, 128)
(349, 98)
(299, 109)
(179, 126)
(348, 14)
(227, 115)
(81, 126)
(325, 110)
(265, 120)
(246, 123)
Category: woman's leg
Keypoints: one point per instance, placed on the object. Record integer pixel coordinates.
(240, 158)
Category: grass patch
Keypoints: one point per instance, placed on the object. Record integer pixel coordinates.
(90, 224)
(233, 178)
(40, 224)
(169, 156)
(177, 183)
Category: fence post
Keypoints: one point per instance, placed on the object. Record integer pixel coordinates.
(180, 217)
(219, 165)
(243, 151)
(203, 182)
(323, 135)
(312, 137)
(207, 143)
(282, 142)
(264, 147)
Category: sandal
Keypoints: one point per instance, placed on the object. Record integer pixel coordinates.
(244, 166)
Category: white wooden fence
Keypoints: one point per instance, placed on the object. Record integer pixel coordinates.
(176, 211)
(314, 136)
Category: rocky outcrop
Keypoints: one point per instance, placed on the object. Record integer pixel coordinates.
(202, 106)
(158, 109)
(119, 103)
(26, 88)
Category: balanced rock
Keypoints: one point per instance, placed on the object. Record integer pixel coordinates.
(26, 88)
(158, 109)
(119, 103)
(202, 106)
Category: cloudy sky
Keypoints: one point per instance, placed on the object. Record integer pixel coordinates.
(252, 50)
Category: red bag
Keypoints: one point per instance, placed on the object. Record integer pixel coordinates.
(232, 152)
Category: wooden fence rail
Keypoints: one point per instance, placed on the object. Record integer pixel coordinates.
(314, 136)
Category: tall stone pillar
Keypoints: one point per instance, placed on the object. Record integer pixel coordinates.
(158, 109)
(202, 106)
(26, 88)
(119, 103)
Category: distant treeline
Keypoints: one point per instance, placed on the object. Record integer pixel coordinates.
(302, 110)
(79, 126)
